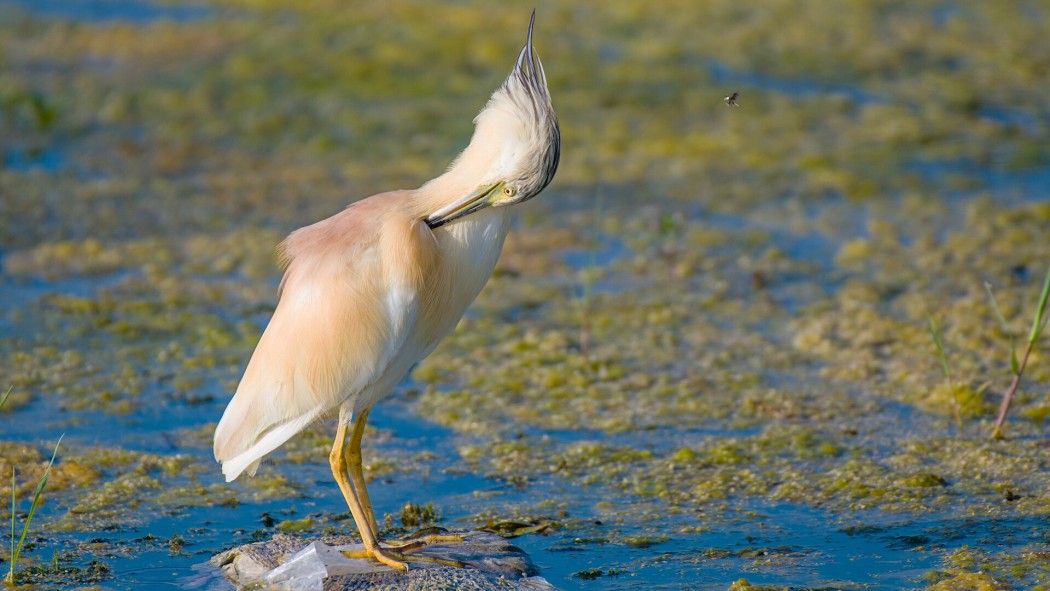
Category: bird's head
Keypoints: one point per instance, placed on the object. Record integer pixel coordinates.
(516, 145)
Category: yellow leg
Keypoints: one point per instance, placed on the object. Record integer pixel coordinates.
(356, 471)
(337, 459)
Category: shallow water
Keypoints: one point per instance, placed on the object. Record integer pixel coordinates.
(759, 397)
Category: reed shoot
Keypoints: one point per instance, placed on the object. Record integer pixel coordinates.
(16, 548)
(1039, 321)
(939, 342)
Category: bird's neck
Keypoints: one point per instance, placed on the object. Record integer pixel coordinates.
(468, 171)
(480, 233)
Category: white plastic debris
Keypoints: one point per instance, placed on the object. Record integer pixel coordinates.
(307, 570)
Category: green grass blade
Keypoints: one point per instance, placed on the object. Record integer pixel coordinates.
(937, 340)
(1006, 326)
(1038, 322)
(995, 306)
(36, 503)
(11, 572)
(3, 399)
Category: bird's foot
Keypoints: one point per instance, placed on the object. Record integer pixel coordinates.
(399, 553)
(392, 559)
(412, 543)
(432, 559)
(424, 537)
(399, 561)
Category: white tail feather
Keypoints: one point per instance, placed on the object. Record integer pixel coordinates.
(249, 459)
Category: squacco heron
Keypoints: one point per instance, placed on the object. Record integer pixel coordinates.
(372, 290)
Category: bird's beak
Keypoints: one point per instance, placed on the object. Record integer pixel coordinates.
(476, 200)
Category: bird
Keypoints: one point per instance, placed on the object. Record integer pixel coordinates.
(370, 291)
(731, 99)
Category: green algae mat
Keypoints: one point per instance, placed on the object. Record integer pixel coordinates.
(704, 360)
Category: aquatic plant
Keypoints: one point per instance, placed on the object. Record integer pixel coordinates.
(33, 107)
(413, 515)
(939, 342)
(1038, 324)
(16, 549)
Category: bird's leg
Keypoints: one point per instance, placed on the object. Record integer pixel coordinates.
(361, 507)
(356, 471)
(339, 469)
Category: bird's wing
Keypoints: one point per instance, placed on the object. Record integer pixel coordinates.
(343, 316)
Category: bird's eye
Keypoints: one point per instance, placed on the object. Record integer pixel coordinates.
(508, 191)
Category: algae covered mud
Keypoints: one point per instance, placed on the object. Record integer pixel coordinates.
(703, 361)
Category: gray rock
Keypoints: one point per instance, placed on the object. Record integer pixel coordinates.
(293, 564)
